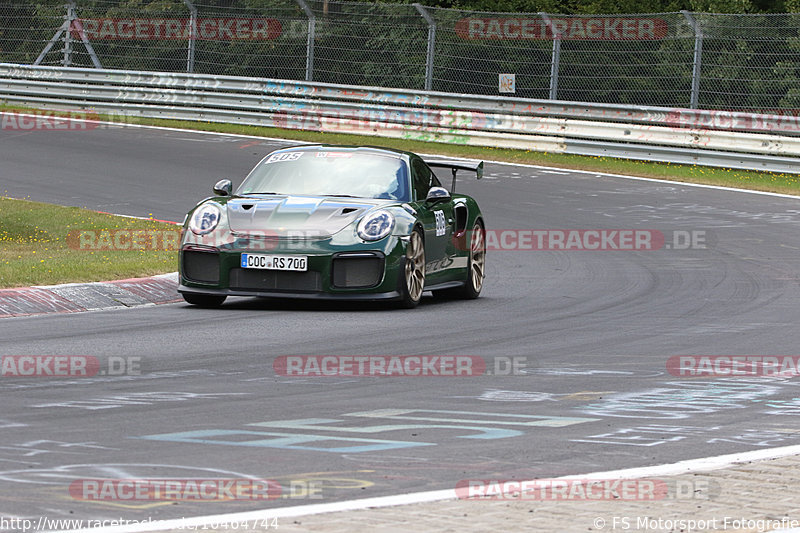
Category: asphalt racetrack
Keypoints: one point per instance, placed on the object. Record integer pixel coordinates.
(593, 331)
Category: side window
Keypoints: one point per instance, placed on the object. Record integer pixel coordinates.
(423, 177)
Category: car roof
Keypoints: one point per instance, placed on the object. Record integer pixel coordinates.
(321, 147)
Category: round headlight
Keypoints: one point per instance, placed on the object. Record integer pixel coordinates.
(205, 218)
(375, 225)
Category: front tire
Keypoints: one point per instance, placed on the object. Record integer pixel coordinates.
(413, 284)
(203, 300)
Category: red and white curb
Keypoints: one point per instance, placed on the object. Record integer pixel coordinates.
(78, 297)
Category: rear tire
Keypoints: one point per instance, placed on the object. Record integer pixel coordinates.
(476, 268)
(203, 300)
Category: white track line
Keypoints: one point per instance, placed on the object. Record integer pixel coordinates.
(673, 469)
(540, 167)
(165, 128)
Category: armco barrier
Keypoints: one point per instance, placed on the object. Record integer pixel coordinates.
(706, 137)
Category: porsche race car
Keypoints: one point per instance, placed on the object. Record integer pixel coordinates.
(336, 222)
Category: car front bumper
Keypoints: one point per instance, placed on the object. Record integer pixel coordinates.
(364, 271)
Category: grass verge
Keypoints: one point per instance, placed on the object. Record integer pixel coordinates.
(44, 244)
(743, 179)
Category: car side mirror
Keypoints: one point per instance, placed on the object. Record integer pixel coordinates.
(223, 188)
(437, 194)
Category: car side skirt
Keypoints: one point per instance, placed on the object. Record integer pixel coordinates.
(392, 295)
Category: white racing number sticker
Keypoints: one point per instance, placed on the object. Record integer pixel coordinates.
(286, 156)
(440, 225)
(298, 263)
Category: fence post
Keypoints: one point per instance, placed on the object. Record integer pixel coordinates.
(697, 61)
(431, 45)
(192, 35)
(312, 29)
(67, 61)
(71, 22)
(556, 55)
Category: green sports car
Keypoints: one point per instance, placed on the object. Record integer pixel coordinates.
(335, 222)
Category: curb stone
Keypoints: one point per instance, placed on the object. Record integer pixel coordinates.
(78, 297)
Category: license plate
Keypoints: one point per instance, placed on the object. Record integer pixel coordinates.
(298, 263)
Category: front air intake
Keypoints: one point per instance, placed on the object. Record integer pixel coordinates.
(202, 267)
(357, 271)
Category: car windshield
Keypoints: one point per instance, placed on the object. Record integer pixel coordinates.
(330, 173)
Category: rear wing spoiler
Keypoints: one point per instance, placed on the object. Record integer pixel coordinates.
(455, 166)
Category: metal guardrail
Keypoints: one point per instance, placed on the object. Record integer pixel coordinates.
(705, 137)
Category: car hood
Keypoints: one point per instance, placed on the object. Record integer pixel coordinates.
(296, 215)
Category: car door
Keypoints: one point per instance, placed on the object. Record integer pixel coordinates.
(437, 220)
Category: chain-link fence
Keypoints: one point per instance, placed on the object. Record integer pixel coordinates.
(748, 62)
